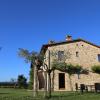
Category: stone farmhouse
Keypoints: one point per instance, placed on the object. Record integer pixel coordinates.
(81, 52)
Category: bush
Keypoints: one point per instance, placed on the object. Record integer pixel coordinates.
(96, 69)
(22, 81)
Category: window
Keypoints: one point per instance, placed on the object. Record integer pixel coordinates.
(77, 54)
(99, 57)
(60, 55)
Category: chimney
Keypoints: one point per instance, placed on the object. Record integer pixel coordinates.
(68, 38)
(51, 42)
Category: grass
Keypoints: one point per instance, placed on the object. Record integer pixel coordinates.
(21, 94)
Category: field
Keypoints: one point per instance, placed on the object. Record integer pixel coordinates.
(18, 94)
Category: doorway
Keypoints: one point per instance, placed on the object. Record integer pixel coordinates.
(61, 80)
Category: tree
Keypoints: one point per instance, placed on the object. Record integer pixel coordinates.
(36, 60)
(12, 80)
(22, 81)
(61, 65)
(48, 71)
(67, 68)
(30, 85)
(72, 69)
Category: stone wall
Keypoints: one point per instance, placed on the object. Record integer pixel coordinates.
(88, 56)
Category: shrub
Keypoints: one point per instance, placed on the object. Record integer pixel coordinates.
(96, 69)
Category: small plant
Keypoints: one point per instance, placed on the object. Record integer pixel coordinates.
(96, 69)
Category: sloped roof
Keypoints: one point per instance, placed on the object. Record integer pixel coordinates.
(44, 47)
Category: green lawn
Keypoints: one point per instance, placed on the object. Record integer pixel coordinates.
(18, 94)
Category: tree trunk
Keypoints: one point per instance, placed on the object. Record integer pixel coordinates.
(53, 81)
(49, 76)
(45, 84)
(31, 81)
(35, 85)
(49, 85)
(70, 82)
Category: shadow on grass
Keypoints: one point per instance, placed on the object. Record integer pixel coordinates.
(4, 93)
(74, 96)
(67, 95)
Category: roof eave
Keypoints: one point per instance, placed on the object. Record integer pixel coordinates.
(44, 47)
